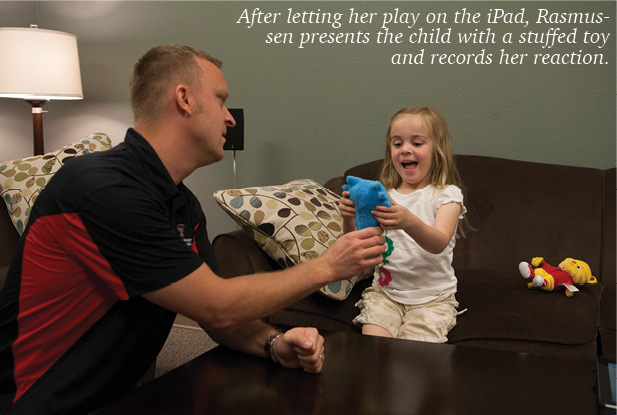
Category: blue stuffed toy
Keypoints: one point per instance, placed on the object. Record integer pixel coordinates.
(366, 195)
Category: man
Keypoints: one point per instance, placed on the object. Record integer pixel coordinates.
(101, 269)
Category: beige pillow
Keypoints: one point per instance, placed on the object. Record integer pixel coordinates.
(292, 223)
(22, 180)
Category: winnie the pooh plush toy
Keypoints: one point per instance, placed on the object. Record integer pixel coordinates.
(550, 278)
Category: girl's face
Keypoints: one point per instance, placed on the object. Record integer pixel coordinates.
(412, 151)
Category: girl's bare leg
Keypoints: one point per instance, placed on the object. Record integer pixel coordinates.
(374, 330)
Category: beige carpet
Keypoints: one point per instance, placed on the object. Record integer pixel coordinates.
(185, 342)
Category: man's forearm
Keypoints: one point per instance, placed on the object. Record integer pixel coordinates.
(249, 338)
(221, 304)
(258, 295)
(218, 303)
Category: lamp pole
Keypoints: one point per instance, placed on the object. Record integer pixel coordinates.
(37, 124)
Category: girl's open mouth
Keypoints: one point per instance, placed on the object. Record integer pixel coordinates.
(409, 165)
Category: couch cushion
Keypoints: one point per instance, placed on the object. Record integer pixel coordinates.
(500, 308)
(520, 210)
(502, 313)
(22, 180)
(292, 223)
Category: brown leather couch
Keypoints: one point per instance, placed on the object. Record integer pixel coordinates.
(519, 210)
(8, 242)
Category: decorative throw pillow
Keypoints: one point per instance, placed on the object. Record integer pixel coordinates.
(292, 223)
(22, 180)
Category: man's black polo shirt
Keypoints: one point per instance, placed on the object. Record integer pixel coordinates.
(74, 330)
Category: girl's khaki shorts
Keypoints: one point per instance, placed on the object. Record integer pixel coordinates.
(428, 322)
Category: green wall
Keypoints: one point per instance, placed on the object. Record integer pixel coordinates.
(312, 112)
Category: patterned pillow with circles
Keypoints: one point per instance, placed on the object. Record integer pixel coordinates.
(22, 180)
(292, 223)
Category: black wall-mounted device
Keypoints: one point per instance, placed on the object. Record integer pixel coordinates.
(235, 135)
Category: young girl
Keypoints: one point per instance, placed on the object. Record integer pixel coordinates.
(412, 295)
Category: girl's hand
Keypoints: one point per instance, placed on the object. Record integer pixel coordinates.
(393, 217)
(348, 212)
(346, 206)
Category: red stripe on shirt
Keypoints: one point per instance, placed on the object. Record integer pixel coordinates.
(194, 244)
(66, 287)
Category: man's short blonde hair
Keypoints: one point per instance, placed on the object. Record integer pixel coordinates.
(159, 68)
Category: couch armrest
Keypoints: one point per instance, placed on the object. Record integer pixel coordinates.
(335, 184)
(237, 254)
(608, 334)
(9, 238)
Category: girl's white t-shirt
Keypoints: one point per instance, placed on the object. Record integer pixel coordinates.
(413, 275)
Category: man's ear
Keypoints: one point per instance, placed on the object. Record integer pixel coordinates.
(183, 99)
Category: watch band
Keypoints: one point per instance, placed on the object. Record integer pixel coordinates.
(268, 346)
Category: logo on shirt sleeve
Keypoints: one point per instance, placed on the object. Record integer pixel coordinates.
(187, 241)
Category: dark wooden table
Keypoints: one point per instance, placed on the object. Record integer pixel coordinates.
(370, 375)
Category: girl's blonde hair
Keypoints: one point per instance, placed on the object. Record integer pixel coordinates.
(443, 169)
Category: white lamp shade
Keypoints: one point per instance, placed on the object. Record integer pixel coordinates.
(39, 64)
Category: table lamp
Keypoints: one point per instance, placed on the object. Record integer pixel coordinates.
(38, 65)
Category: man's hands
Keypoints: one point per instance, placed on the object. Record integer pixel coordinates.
(300, 347)
(353, 252)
